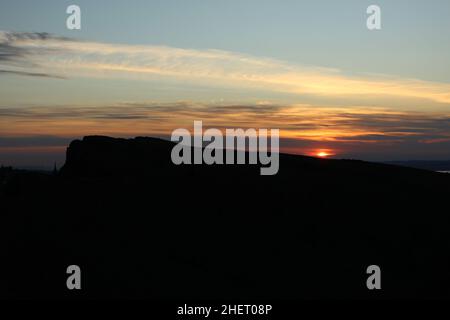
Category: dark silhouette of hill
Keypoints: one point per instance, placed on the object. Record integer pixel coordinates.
(433, 165)
(139, 226)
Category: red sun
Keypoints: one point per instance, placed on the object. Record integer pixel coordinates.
(322, 154)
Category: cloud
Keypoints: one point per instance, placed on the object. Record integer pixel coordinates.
(33, 141)
(9, 53)
(72, 58)
(19, 59)
(314, 123)
(31, 74)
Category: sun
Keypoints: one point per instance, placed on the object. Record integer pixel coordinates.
(322, 154)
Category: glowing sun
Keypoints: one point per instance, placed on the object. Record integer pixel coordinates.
(322, 154)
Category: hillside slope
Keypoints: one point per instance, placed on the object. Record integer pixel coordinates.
(139, 226)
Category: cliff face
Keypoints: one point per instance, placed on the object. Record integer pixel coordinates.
(106, 156)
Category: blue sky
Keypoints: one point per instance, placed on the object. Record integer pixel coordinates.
(413, 41)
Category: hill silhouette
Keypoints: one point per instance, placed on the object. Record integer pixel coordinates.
(139, 226)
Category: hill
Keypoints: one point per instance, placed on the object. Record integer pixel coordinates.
(139, 226)
(424, 164)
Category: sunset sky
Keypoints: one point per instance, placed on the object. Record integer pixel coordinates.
(310, 68)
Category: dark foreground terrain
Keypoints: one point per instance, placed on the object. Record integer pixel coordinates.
(139, 226)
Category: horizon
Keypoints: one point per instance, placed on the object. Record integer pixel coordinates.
(432, 165)
(333, 88)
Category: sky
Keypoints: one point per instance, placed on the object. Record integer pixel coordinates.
(310, 68)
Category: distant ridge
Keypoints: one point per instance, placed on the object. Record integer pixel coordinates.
(433, 165)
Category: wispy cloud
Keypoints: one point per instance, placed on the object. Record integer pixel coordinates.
(326, 124)
(31, 74)
(34, 54)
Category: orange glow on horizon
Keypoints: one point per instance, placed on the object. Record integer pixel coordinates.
(323, 153)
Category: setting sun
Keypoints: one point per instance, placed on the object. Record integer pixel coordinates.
(322, 154)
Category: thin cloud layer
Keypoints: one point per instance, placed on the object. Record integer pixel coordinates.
(32, 54)
(305, 122)
(31, 74)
